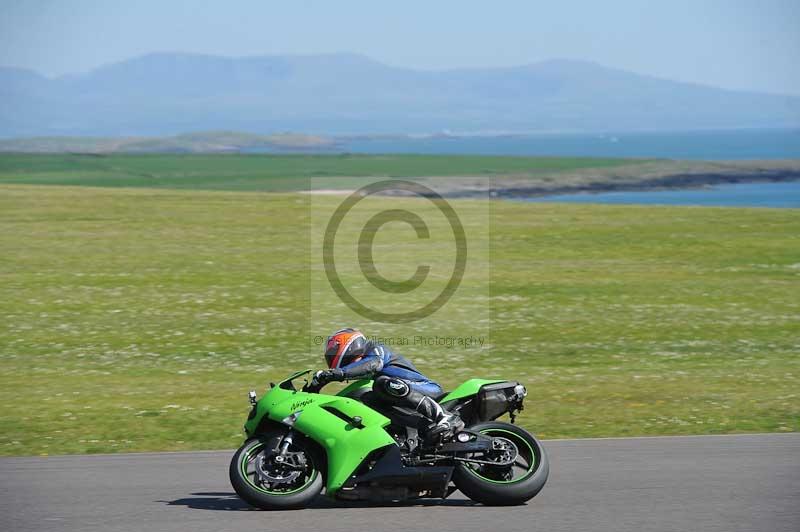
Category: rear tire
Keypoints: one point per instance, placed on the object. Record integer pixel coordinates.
(477, 485)
(247, 485)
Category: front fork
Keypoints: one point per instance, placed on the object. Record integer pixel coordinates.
(288, 438)
(283, 446)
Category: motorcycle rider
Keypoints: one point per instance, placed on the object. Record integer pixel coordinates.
(396, 381)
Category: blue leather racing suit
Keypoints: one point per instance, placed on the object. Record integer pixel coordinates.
(396, 380)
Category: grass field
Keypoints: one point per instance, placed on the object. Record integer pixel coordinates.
(137, 319)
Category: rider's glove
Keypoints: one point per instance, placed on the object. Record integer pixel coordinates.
(325, 376)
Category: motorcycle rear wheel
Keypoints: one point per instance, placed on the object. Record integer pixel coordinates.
(505, 485)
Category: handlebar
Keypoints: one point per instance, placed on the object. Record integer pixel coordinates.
(314, 386)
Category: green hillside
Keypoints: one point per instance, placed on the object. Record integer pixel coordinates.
(268, 173)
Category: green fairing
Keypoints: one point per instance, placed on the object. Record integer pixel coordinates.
(346, 446)
(466, 389)
(355, 385)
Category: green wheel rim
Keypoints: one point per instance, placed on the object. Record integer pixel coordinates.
(534, 465)
(243, 468)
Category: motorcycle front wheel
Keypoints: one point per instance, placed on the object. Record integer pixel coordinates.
(504, 484)
(264, 478)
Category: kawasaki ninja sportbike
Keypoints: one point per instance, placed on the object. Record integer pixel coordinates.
(300, 442)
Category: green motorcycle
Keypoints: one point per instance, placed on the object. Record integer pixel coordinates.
(300, 441)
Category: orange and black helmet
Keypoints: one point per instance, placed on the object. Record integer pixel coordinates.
(344, 347)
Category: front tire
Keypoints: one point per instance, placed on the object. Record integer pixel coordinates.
(505, 485)
(264, 483)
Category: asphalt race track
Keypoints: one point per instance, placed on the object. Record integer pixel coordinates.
(724, 483)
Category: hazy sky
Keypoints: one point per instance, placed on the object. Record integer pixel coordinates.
(741, 44)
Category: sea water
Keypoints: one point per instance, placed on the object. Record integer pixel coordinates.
(695, 145)
(786, 195)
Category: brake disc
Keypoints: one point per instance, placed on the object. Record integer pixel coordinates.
(504, 452)
(271, 472)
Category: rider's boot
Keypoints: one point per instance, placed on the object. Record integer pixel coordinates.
(443, 424)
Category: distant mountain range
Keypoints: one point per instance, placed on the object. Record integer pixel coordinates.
(170, 93)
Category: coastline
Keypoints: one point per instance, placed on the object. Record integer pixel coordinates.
(667, 182)
(644, 177)
(678, 183)
(451, 176)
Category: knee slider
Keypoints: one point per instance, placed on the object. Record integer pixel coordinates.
(393, 387)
